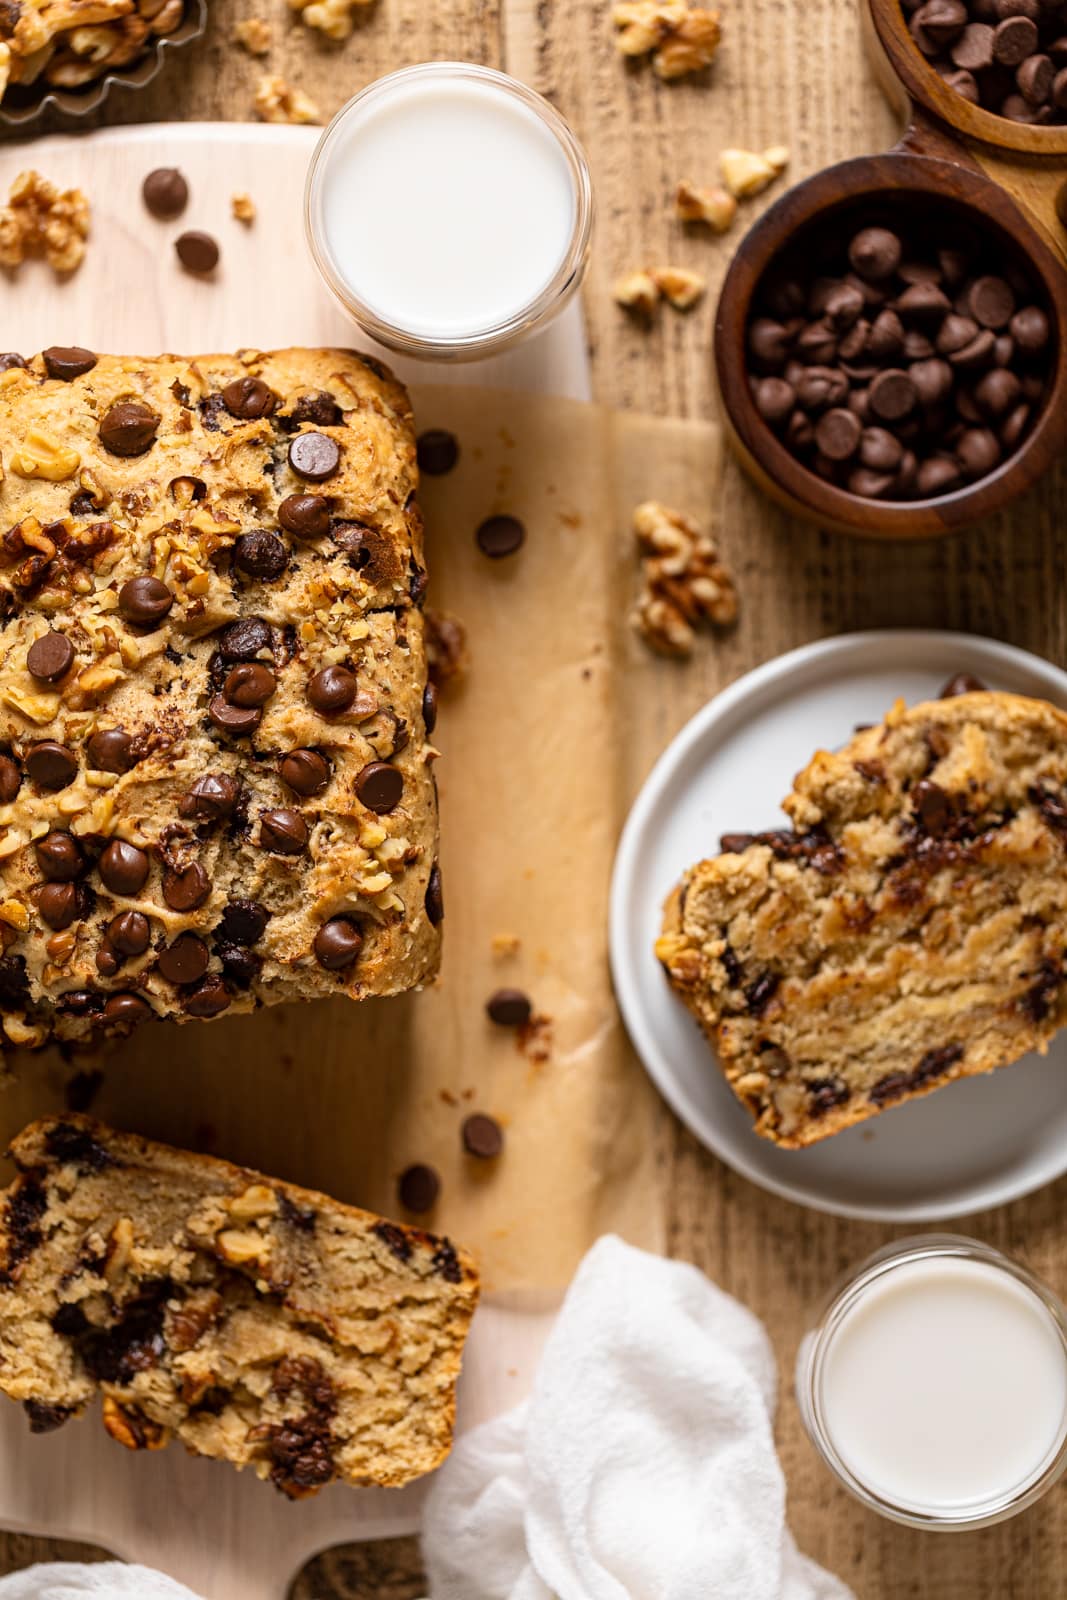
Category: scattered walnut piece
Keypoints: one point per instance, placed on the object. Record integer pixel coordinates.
(39, 219)
(447, 655)
(748, 172)
(681, 287)
(680, 38)
(683, 582)
(331, 17)
(505, 945)
(715, 206)
(254, 35)
(277, 101)
(637, 291)
(244, 208)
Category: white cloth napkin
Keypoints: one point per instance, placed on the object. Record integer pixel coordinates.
(69, 1580)
(643, 1465)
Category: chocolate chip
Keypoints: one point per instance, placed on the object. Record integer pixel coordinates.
(211, 798)
(418, 1188)
(208, 1000)
(880, 450)
(435, 900)
(509, 1008)
(145, 601)
(67, 362)
(379, 787)
(1013, 429)
(51, 765)
(59, 857)
(314, 456)
(111, 750)
(249, 399)
(44, 1417)
(338, 943)
(305, 516)
(978, 353)
(973, 50)
(283, 832)
(978, 451)
(875, 253)
(775, 399)
(991, 302)
(126, 1008)
(318, 408)
(129, 933)
(837, 434)
(245, 639)
(924, 303)
(483, 1137)
(10, 361)
(186, 889)
(500, 536)
(893, 395)
(962, 683)
(50, 657)
(184, 961)
(768, 344)
(332, 690)
(124, 868)
(437, 451)
(58, 904)
(260, 555)
(243, 922)
(429, 707)
(238, 721)
(997, 392)
(128, 429)
(1030, 329)
(242, 965)
(937, 475)
(1013, 40)
(10, 780)
(250, 684)
(932, 379)
(197, 252)
(305, 771)
(165, 193)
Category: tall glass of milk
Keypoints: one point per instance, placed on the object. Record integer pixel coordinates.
(935, 1384)
(448, 208)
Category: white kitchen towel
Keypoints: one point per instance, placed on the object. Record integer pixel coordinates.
(642, 1467)
(69, 1580)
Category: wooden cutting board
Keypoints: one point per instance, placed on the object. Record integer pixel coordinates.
(223, 1534)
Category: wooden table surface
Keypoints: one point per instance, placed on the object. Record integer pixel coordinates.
(792, 72)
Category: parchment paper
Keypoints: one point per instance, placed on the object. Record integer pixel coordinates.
(535, 775)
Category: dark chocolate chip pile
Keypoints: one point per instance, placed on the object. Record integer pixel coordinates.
(1008, 56)
(900, 366)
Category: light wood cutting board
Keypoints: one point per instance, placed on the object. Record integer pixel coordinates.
(224, 1535)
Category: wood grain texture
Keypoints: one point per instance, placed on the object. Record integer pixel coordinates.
(791, 71)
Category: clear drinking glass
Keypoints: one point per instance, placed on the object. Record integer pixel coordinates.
(851, 1294)
(499, 334)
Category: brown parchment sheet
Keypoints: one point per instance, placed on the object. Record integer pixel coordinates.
(542, 745)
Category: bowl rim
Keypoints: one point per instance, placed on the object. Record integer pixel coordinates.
(78, 103)
(925, 86)
(850, 183)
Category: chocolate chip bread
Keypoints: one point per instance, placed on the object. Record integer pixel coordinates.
(910, 930)
(253, 1321)
(215, 784)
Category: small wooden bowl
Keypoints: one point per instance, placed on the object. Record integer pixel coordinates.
(881, 185)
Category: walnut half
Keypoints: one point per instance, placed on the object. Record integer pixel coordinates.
(684, 583)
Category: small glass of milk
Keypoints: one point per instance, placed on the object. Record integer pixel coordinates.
(449, 208)
(935, 1385)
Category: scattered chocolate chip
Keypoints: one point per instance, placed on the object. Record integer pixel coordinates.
(124, 868)
(245, 639)
(418, 1188)
(283, 832)
(260, 555)
(338, 943)
(249, 684)
(58, 904)
(332, 690)
(129, 933)
(10, 780)
(249, 399)
(306, 772)
(962, 683)
(208, 1000)
(165, 193)
(126, 1008)
(379, 787)
(50, 657)
(111, 750)
(185, 960)
(435, 900)
(483, 1137)
(211, 798)
(67, 362)
(59, 857)
(314, 456)
(238, 721)
(500, 536)
(243, 922)
(197, 252)
(509, 1008)
(305, 516)
(437, 451)
(51, 765)
(186, 889)
(128, 428)
(240, 965)
(145, 601)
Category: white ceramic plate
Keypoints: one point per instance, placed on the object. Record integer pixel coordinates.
(977, 1143)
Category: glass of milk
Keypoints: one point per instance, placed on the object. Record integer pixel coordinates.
(935, 1385)
(449, 209)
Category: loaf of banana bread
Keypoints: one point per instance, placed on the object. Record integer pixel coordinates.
(215, 768)
(910, 930)
(252, 1321)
